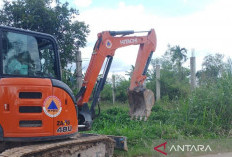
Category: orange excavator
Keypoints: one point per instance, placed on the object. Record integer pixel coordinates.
(35, 105)
(141, 100)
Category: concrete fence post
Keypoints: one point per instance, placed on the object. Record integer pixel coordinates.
(79, 69)
(113, 88)
(157, 82)
(193, 71)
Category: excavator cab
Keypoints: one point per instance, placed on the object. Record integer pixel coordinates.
(35, 104)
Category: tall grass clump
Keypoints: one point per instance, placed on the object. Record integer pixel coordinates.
(211, 106)
(206, 113)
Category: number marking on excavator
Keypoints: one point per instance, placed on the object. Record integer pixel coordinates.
(64, 129)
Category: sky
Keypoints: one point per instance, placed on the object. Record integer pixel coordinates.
(200, 25)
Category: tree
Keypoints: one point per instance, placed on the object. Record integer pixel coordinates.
(121, 86)
(130, 72)
(59, 21)
(228, 66)
(212, 68)
(177, 56)
(173, 76)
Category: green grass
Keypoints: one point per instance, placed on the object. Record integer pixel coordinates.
(206, 113)
(169, 120)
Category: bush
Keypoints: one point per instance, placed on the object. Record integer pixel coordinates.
(106, 94)
(121, 90)
(211, 105)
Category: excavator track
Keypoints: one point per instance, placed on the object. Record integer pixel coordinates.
(77, 146)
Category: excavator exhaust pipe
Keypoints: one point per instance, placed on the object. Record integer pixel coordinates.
(141, 102)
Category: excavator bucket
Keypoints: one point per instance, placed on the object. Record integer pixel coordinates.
(141, 101)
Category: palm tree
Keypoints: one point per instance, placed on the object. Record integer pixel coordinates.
(130, 72)
(178, 56)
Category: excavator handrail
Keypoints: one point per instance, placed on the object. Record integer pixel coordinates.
(123, 33)
(114, 33)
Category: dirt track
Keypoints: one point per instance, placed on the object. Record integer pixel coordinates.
(77, 146)
(218, 155)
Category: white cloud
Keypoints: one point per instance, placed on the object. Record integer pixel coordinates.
(207, 31)
(53, 3)
(185, 1)
(82, 3)
(110, 19)
(1, 4)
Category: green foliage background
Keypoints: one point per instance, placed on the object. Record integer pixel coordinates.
(203, 113)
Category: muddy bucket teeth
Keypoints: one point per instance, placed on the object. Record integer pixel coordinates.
(141, 102)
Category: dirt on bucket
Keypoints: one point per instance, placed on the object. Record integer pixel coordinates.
(141, 101)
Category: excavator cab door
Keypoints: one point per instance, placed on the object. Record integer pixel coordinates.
(28, 62)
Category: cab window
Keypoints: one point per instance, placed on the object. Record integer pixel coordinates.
(25, 55)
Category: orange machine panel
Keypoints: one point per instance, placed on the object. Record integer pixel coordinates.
(32, 107)
(21, 110)
(66, 121)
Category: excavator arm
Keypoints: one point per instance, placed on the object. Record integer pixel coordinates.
(108, 42)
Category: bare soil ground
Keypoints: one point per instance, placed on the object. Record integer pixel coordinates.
(218, 155)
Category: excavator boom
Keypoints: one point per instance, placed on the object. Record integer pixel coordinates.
(141, 100)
